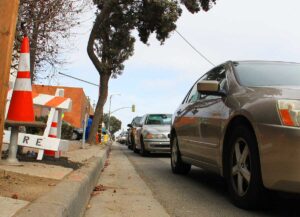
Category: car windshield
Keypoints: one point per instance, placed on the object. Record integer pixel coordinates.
(136, 120)
(255, 74)
(159, 119)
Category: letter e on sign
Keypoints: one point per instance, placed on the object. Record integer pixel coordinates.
(38, 142)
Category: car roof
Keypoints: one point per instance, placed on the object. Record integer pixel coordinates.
(262, 61)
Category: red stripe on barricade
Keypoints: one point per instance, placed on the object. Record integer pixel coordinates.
(53, 124)
(23, 75)
(52, 136)
(55, 101)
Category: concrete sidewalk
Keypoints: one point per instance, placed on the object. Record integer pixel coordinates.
(68, 182)
(122, 192)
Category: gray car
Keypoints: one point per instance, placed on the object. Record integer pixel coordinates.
(152, 133)
(241, 120)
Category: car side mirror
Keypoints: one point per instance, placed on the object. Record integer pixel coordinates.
(210, 88)
(129, 125)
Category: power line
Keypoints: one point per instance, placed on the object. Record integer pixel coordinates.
(195, 49)
(79, 79)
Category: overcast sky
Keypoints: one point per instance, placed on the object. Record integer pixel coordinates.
(157, 77)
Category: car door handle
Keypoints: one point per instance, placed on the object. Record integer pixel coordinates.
(179, 112)
(195, 111)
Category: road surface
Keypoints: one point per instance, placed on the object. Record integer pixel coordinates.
(199, 194)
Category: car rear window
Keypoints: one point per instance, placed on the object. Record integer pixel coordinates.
(254, 74)
(159, 119)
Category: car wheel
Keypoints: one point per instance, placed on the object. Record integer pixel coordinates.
(177, 165)
(135, 150)
(143, 151)
(131, 143)
(74, 136)
(242, 167)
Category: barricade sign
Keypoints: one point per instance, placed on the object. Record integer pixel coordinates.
(38, 142)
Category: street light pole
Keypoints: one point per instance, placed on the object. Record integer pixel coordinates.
(108, 124)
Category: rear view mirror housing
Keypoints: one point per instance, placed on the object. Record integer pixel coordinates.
(210, 88)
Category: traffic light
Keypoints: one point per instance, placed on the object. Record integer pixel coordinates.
(133, 108)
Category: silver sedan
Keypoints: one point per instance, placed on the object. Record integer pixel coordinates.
(152, 133)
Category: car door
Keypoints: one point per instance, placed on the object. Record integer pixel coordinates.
(186, 123)
(211, 112)
(139, 131)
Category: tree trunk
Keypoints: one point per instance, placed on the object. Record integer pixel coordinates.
(103, 72)
(98, 117)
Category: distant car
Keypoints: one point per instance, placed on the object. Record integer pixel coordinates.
(77, 134)
(122, 138)
(152, 134)
(242, 121)
(132, 131)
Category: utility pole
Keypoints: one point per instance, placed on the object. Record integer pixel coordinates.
(108, 124)
(8, 21)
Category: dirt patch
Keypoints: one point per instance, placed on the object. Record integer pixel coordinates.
(62, 161)
(24, 187)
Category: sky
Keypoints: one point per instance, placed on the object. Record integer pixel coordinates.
(157, 78)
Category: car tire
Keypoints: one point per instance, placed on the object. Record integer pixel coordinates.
(135, 150)
(143, 151)
(74, 136)
(177, 165)
(242, 169)
(131, 143)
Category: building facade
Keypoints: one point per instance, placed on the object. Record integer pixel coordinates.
(80, 104)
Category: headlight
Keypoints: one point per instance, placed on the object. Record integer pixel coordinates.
(289, 111)
(155, 136)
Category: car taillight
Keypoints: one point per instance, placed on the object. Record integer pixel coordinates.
(289, 111)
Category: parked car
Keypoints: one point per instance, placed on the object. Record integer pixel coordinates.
(122, 138)
(241, 120)
(131, 133)
(77, 134)
(152, 134)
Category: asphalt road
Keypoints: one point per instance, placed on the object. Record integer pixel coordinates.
(200, 193)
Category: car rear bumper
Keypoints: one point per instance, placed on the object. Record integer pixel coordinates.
(280, 157)
(157, 145)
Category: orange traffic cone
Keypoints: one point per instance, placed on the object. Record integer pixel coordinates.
(21, 104)
(53, 134)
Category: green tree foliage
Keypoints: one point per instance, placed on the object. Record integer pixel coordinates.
(115, 123)
(111, 40)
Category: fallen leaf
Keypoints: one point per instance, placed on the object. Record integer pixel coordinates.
(94, 193)
(115, 191)
(100, 188)
(15, 196)
(51, 184)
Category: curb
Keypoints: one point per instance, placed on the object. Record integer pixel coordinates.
(71, 196)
